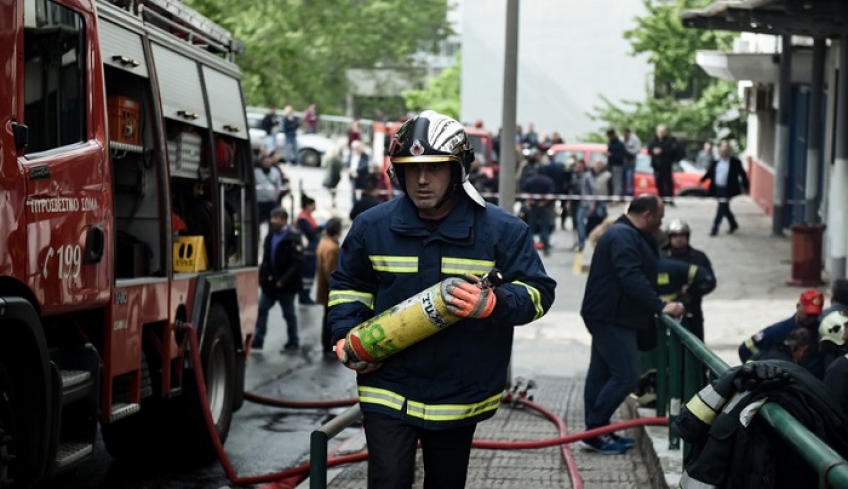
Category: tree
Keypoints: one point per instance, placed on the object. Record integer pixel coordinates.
(441, 93)
(693, 105)
(298, 52)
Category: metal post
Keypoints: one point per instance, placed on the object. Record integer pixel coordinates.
(508, 164)
(318, 460)
(781, 140)
(838, 198)
(662, 369)
(675, 387)
(318, 445)
(814, 133)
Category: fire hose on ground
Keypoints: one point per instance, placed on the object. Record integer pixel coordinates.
(295, 475)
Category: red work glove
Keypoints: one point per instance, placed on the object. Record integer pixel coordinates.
(352, 363)
(468, 299)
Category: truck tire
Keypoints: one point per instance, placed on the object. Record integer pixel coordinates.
(219, 370)
(219, 367)
(7, 421)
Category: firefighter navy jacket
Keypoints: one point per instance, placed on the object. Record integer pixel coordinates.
(455, 377)
(728, 454)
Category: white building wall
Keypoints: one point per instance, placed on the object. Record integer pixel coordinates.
(570, 53)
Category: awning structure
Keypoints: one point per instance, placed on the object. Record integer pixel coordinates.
(815, 18)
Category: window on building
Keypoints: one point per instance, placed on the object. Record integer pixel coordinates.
(54, 43)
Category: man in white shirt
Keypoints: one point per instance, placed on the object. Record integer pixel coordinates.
(727, 180)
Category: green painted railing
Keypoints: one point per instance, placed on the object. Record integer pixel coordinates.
(684, 356)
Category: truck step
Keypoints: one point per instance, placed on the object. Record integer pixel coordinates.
(69, 453)
(122, 410)
(76, 384)
(71, 378)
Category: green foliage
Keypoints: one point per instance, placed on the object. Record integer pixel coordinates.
(299, 51)
(710, 111)
(441, 93)
(670, 46)
(708, 117)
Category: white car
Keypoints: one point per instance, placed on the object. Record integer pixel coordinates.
(310, 147)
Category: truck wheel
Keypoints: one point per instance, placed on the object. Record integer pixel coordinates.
(219, 370)
(7, 421)
(219, 367)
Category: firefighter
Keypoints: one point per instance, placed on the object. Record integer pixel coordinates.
(438, 389)
(807, 311)
(678, 248)
(833, 329)
(833, 336)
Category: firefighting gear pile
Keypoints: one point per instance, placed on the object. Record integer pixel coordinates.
(735, 448)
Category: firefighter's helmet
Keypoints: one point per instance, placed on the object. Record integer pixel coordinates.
(678, 227)
(430, 137)
(832, 328)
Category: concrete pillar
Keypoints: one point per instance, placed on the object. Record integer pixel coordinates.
(781, 142)
(838, 198)
(508, 164)
(814, 133)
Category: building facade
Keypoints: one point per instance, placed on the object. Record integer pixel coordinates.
(797, 112)
(568, 57)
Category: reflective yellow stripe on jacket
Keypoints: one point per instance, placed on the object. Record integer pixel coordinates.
(343, 296)
(466, 266)
(394, 264)
(536, 297)
(429, 412)
(751, 346)
(693, 271)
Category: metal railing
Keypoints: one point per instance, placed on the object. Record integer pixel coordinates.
(676, 345)
(318, 444)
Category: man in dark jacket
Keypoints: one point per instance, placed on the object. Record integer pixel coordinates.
(665, 151)
(678, 247)
(279, 278)
(620, 299)
(540, 207)
(616, 157)
(727, 180)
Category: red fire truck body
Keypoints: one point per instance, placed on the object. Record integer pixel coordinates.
(127, 213)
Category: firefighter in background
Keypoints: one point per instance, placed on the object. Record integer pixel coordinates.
(833, 336)
(807, 312)
(438, 389)
(678, 248)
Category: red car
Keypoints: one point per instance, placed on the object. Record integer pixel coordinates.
(686, 175)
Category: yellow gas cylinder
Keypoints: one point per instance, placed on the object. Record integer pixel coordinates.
(397, 328)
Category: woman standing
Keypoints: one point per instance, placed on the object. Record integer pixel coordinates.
(310, 230)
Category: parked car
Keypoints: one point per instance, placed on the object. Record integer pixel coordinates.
(310, 147)
(686, 175)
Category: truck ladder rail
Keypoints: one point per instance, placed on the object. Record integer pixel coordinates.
(183, 22)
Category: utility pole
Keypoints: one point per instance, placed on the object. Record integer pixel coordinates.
(508, 164)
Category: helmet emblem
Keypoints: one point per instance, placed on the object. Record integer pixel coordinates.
(417, 149)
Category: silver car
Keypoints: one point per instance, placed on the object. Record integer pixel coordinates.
(310, 147)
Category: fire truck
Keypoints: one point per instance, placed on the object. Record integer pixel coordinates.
(127, 219)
